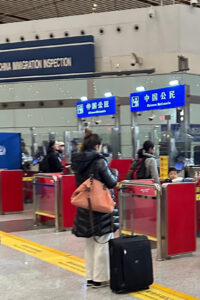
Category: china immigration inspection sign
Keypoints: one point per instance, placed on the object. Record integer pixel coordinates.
(47, 59)
(164, 98)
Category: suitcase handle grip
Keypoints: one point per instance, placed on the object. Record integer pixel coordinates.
(125, 188)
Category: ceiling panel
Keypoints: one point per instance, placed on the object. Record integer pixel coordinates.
(19, 10)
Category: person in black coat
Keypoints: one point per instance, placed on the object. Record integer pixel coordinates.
(54, 164)
(85, 163)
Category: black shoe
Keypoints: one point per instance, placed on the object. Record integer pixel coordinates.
(90, 282)
(97, 284)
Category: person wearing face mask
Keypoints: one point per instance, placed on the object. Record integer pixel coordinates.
(60, 150)
(107, 152)
(62, 159)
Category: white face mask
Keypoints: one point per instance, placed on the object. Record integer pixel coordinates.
(105, 151)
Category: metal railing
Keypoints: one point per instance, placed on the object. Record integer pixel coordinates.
(46, 197)
(144, 209)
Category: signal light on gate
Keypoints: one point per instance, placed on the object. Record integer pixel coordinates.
(179, 115)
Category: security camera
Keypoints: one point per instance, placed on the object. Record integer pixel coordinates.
(139, 113)
(152, 117)
(194, 3)
(133, 63)
(136, 60)
(97, 122)
(151, 13)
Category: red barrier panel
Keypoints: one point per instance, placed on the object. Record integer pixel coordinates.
(122, 165)
(11, 192)
(145, 218)
(181, 218)
(144, 209)
(68, 186)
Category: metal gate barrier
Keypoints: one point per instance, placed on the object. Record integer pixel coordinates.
(52, 193)
(45, 194)
(166, 217)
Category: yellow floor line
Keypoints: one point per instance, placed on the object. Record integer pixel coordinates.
(76, 265)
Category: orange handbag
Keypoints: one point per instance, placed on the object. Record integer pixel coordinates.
(94, 195)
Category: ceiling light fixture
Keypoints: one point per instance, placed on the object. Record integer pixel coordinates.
(140, 89)
(108, 94)
(174, 82)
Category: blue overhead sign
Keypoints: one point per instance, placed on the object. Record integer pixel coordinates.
(97, 107)
(47, 59)
(164, 98)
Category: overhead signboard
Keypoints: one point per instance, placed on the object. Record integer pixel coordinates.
(96, 107)
(164, 98)
(47, 59)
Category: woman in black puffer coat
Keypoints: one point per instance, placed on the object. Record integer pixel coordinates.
(91, 161)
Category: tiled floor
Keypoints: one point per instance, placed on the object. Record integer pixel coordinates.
(25, 277)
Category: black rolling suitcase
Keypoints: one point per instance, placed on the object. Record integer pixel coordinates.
(130, 263)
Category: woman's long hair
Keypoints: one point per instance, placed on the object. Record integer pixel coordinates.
(90, 140)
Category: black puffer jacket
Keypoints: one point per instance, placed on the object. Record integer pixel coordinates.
(54, 164)
(84, 164)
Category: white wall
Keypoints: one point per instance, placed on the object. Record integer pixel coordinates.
(174, 30)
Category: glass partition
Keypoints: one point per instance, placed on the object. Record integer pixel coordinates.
(59, 120)
(76, 88)
(43, 90)
(123, 86)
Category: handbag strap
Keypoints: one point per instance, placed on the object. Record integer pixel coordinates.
(91, 214)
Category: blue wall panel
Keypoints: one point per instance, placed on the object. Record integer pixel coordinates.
(10, 151)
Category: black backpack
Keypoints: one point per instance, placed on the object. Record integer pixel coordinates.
(137, 169)
(44, 165)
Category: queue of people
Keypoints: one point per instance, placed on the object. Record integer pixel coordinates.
(97, 233)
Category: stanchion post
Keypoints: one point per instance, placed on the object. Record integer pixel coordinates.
(59, 212)
(56, 190)
(162, 225)
(121, 205)
(159, 227)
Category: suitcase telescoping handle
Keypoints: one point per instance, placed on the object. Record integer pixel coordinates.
(124, 188)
